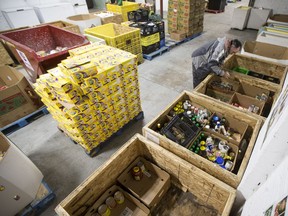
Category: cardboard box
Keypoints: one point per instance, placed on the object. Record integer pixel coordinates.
(18, 99)
(65, 25)
(13, 163)
(84, 21)
(130, 203)
(266, 51)
(152, 186)
(178, 35)
(279, 18)
(5, 57)
(188, 178)
(240, 17)
(232, 178)
(272, 38)
(258, 17)
(109, 17)
(245, 102)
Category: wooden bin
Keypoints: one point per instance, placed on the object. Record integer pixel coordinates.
(248, 86)
(208, 190)
(265, 68)
(254, 125)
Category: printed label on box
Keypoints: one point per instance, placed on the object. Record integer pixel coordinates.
(25, 60)
(11, 103)
(126, 212)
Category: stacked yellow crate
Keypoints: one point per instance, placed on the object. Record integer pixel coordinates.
(93, 93)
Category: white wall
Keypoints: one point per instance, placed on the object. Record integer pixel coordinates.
(270, 150)
(270, 193)
(278, 6)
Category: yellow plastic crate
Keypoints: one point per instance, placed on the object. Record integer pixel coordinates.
(121, 37)
(151, 39)
(124, 9)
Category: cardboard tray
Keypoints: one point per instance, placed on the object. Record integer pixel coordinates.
(212, 192)
(150, 189)
(131, 204)
(254, 123)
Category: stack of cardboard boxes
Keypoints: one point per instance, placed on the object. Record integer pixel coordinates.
(185, 18)
(92, 94)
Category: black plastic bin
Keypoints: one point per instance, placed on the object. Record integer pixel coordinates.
(26, 43)
(218, 5)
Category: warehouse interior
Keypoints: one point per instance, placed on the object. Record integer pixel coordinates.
(65, 165)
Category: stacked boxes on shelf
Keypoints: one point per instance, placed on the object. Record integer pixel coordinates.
(185, 17)
(121, 37)
(92, 94)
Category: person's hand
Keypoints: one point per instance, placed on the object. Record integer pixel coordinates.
(226, 75)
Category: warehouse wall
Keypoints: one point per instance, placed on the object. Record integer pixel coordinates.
(278, 6)
(269, 153)
(23, 3)
(270, 193)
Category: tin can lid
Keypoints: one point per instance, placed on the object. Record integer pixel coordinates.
(220, 160)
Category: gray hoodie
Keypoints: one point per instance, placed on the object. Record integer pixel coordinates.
(208, 58)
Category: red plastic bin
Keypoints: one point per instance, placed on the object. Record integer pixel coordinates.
(26, 42)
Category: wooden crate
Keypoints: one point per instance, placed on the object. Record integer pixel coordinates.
(248, 86)
(260, 66)
(231, 178)
(208, 190)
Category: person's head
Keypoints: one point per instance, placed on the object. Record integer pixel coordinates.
(235, 46)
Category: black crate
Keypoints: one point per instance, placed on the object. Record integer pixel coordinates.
(181, 126)
(255, 74)
(271, 79)
(140, 15)
(146, 28)
(151, 48)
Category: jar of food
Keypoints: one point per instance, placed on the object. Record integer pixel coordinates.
(119, 197)
(137, 173)
(103, 210)
(110, 202)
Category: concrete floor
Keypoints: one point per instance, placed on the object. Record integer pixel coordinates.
(65, 165)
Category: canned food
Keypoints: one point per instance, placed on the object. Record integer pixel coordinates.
(119, 197)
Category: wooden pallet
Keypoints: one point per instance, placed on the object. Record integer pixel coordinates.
(172, 43)
(155, 53)
(214, 11)
(96, 150)
(14, 126)
(43, 199)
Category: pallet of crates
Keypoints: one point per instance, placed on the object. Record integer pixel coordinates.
(165, 180)
(214, 137)
(121, 37)
(92, 94)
